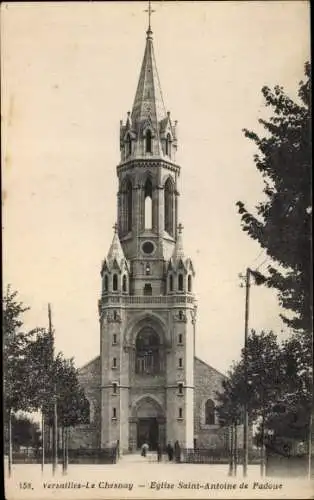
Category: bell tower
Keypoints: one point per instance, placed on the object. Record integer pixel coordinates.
(147, 308)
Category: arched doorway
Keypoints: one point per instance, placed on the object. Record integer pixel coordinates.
(148, 423)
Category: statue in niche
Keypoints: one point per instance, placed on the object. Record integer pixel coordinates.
(113, 316)
(180, 316)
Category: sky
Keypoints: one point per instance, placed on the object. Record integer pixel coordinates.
(69, 75)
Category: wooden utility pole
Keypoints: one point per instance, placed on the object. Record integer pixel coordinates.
(246, 414)
(55, 415)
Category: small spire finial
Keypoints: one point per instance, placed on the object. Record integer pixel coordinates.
(115, 228)
(180, 228)
(150, 11)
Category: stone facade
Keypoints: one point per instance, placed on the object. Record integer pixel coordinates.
(207, 382)
(88, 435)
(151, 394)
(147, 384)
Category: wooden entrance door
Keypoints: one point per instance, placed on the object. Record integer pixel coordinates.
(147, 431)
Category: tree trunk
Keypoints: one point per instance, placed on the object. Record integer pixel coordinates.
(235, 451)
(231, 451)
(66, 450)
(262, 465)
(55, 434)
(43, 443)
(63, 448)
(10, 444)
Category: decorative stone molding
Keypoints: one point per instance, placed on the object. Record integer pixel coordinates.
(113, 317)
(180, 317)
(193, 315)
(144, 163)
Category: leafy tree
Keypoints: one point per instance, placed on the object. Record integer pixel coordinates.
(25, 432)
(231, 400)
(15, 367)
(72, 406)
(283, 221)
(33, 376)
(14, 349)
(40, 354)
(230, 409)
(291, 414)
(259, 385)
(264, 378)
(54, 376)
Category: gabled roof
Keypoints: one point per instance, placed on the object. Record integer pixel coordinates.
(115, 258)
(210, 367)
(115, 250)
(179, 260)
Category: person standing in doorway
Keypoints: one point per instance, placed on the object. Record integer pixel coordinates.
(177, 452)
(159, 453)
(170, 451)
(144, 449)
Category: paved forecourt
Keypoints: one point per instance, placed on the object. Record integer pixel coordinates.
(138, 477)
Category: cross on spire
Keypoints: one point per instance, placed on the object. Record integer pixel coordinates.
(150, 11)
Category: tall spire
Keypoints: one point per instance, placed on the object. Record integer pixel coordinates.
(148, 102)
(148, 130)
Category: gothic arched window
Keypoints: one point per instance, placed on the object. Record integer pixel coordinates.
(209, 412)
(148, 208)
(168, 203)
(168, 145)
(115, 282)
(189, 283)
(124, 283)
(180, 282)
(106, 283)
(129, 205)
(148, 141)
(128, 145)
(170, 283)
(148, 352)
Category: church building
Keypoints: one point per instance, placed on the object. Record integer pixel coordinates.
(147, 383)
